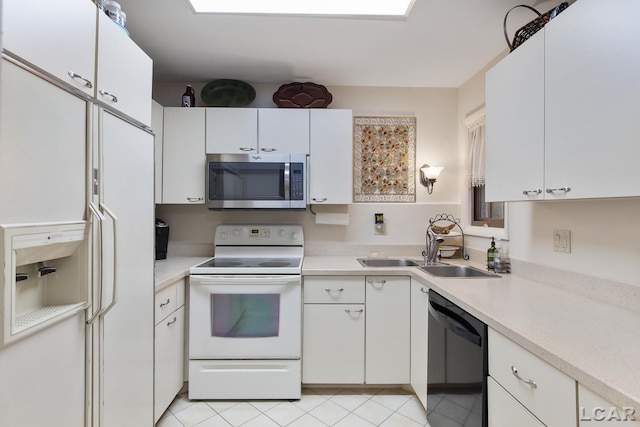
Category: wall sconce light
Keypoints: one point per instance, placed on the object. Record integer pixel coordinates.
(428, 175)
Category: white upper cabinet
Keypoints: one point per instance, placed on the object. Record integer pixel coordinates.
(124, 72)
(590, 99)
(330, 157)
(232, 130)
(593, 100)
(59, 37)
(251, 130)
(283, 130)
(184, 161)
(515, 124)
(157, 124)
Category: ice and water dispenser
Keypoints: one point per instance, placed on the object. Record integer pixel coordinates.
(45, 277)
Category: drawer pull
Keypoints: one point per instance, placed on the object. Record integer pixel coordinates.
(334, 290)
(531, 383)
(172, 322)
(354, 311)
(162, 304)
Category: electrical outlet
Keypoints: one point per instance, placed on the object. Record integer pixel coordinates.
(562, 241)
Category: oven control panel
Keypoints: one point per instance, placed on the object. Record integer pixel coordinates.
(278, 235)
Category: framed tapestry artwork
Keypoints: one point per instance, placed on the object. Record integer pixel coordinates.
(384, 151)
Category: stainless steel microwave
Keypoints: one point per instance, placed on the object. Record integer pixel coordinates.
(256, 181)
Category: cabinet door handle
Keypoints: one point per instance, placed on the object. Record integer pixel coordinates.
(424, 291)
(515, 373)
(334, 290)
(87, 83)
(319, 199)
(563, 189)
(172, 321)
(162, 304)
(194, 199)
(534, 192)
(377, 282)
(247, 149)
(268, 150)
(105, 93)
(354, 311)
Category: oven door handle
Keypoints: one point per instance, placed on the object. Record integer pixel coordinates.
(243, 280)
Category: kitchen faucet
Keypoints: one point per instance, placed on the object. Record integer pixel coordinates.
(432, 244)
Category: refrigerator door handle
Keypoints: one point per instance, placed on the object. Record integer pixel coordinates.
(114, 257)
(100, 219)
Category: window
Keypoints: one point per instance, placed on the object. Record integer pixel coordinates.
(482, 214)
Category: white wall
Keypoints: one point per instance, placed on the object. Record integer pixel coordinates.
(436, 112)
(605, 236)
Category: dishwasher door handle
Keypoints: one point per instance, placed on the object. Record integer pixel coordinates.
(455, 323)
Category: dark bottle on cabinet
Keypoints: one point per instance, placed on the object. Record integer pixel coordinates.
(189, 97)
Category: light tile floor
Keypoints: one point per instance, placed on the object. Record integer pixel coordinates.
(318, 407)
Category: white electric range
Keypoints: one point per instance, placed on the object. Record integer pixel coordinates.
(245, 308)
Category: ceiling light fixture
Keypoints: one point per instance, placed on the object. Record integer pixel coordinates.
(372, 8)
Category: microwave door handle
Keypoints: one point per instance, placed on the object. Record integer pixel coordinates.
(114, 257)
(100, 220)
(287, 181)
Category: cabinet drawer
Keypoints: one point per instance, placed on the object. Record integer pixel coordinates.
(165, 302)
(552, 398)
(504, 411)
(334, 289)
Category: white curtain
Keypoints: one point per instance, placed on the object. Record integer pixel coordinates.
(477, 139)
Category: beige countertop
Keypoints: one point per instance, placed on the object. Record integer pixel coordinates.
(596, 343)
(172, 269)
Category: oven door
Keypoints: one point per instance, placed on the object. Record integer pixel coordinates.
(245, 317)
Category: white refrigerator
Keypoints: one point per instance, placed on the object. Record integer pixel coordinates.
(77, 248)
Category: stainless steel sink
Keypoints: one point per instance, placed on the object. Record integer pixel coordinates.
(456, 271)
(387, 262)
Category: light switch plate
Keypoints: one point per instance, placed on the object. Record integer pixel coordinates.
(562, 241)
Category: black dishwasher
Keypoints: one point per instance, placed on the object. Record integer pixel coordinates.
(457, 365)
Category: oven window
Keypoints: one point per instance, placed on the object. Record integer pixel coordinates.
(245, 315)
(246, 181)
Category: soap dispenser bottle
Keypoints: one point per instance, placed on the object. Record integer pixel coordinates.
(490, 255)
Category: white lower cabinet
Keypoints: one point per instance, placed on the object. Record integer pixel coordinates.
(388, 336)
(596, 411)
(356, 330)
(547, 394)
(334, 329)
(505, 411)
(169, 346)
(419, 340)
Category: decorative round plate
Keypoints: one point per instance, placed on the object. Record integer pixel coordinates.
(302, 95)
(227, 93)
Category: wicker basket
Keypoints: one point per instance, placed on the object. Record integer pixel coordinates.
(524, 33)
